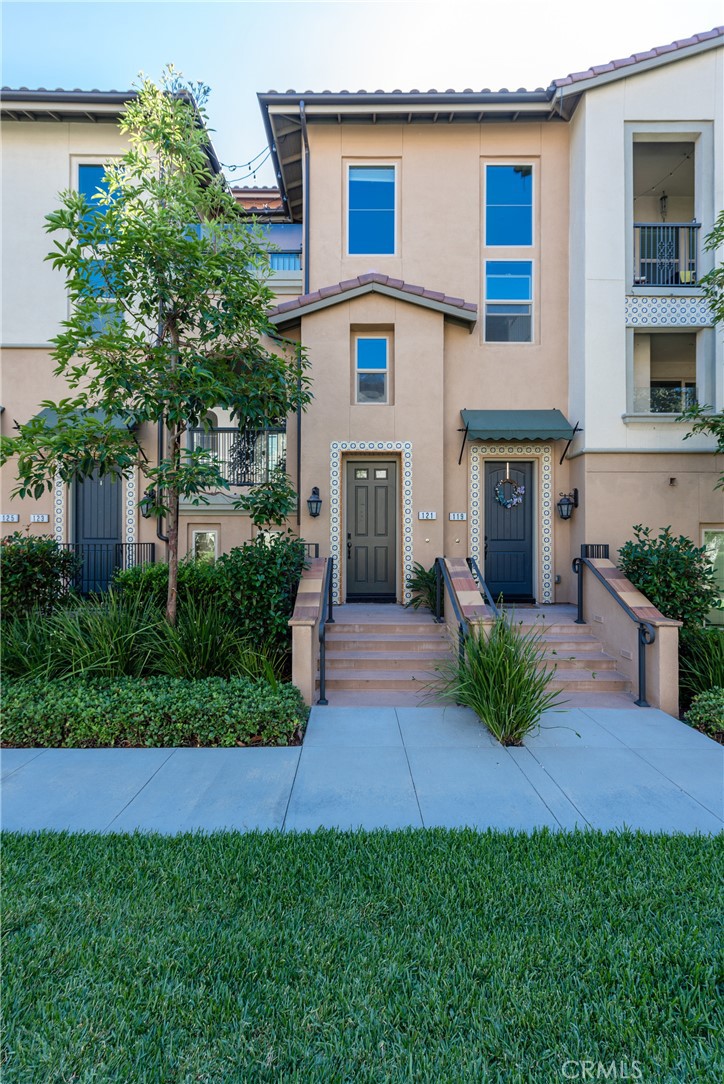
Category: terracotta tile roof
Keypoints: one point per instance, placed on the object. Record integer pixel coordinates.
(637, 58)
(372, 278)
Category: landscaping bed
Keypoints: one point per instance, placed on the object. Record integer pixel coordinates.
(367, 957)
(87, 712)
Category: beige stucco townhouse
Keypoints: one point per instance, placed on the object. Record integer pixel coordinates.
(499, 297)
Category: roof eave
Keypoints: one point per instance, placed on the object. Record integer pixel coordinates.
(577, 87)
(465, 317)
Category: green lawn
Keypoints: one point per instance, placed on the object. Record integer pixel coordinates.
(406, 956)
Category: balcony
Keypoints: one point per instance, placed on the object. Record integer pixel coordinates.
(664, 398)
(666, 254)
(246, 457)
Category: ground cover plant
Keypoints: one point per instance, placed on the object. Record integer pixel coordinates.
(499, 674)
(431, 956)
(156, 712)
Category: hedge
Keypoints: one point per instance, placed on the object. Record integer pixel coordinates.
(157, 712)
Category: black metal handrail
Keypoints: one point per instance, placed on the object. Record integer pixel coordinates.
(325, 618)
(99, 561)
(647, 632)
(482, 585)
(441, 573)
(311, 549)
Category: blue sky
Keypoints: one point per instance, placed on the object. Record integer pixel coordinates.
(241, 48)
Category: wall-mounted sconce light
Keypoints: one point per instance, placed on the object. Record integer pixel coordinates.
(567, 503)
(147, 504)
(663, 204)
(314, 502)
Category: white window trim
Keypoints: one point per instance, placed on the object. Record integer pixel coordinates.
(205, 530)
(372, 163)
(533, 221)
(509, 301)
(386, 335)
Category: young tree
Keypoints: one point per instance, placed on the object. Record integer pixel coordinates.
(702, 417)
(168, 319)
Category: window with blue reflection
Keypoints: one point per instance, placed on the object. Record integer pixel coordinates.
(371, 369)
(91, 180)
(508, 301)
(371, 210)
(509, 280)
(509, 205)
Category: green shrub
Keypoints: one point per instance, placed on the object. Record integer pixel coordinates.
(258, 584)
(106, 636)
(35, 573)
(707, 713)
(157, 712)
(500, 677)
(255, 584)
(701, 660)
(675, 575)
(197, 580)
(207, 642)
(423, 584)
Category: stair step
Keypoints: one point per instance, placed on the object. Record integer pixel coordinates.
(585, 681)
(386, 628)
(375, 660)
(570, 643)
(364, 642)
(365, 680)
(579, 660)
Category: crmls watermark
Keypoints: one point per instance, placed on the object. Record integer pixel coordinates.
(600, 1070)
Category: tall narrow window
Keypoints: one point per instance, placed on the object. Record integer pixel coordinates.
(508, 301)
(509, 205)
(371, 211)
(371, 369)
(91, 181)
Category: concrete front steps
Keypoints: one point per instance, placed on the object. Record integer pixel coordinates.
(382, 655)
(386, 655)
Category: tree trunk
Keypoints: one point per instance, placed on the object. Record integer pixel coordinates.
(172, 500)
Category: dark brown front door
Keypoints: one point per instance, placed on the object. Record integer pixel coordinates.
(371, 530)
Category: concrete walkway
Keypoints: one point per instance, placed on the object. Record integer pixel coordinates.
(387, 767)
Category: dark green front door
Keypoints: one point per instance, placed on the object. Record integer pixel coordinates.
(371, 530)
(509, 530)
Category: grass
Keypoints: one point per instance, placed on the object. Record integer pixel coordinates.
(437, 956)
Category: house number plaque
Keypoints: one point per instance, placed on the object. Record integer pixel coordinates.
(458, 516)
(427, 515)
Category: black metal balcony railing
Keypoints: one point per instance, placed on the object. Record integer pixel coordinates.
(246, 457)
(672, 400)
(665, 254)
(99, 560)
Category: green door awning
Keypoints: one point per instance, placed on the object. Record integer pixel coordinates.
(516, 425)
(118, 421)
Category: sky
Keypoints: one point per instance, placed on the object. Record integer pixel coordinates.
(240, 48)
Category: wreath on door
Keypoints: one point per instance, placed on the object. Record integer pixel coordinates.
(514, 494)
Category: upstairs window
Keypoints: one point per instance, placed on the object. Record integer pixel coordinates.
(372, 366)
(91, 181)
(509, 205)
(371, 211)
(509, 301)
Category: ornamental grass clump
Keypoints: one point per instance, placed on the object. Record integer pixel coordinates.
(501, 676)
